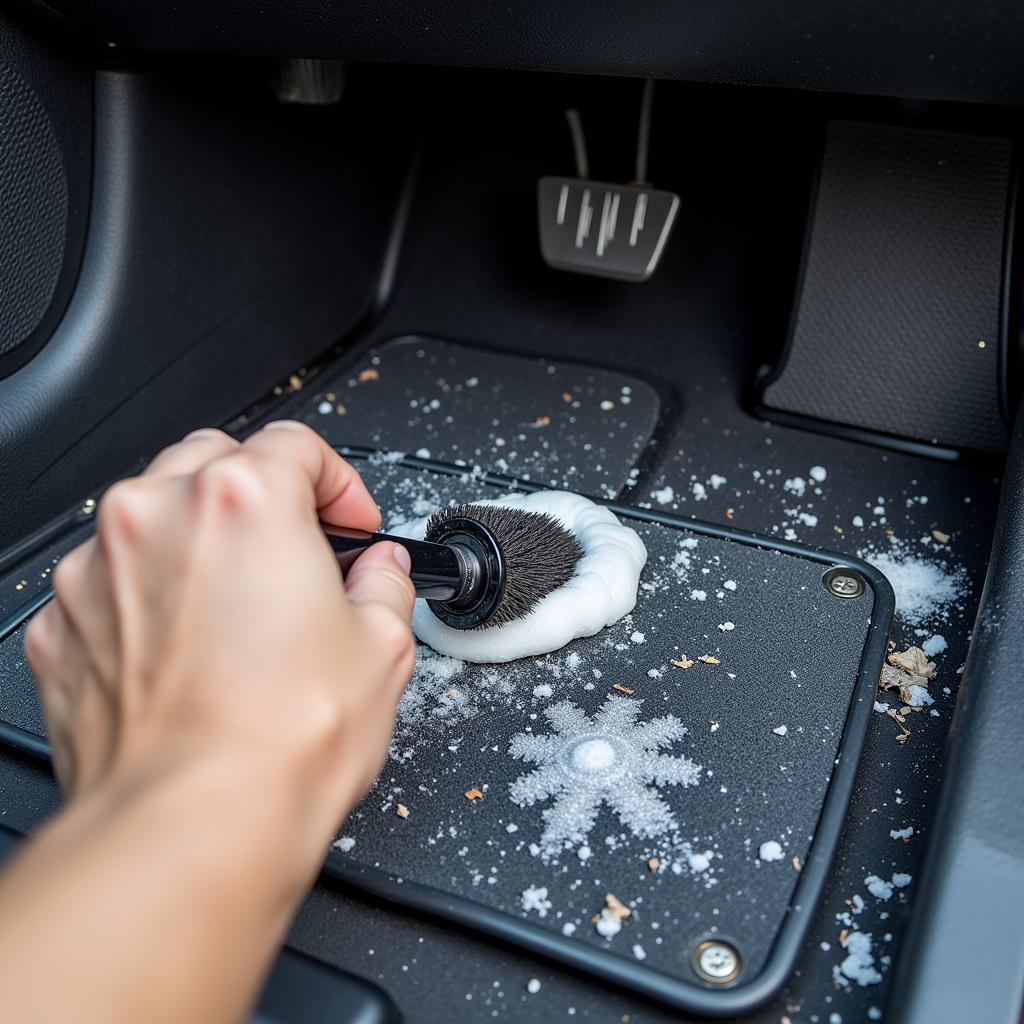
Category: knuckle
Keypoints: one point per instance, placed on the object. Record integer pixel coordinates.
(120, 509)
(391, 634)
(234, 482)
(68, 574)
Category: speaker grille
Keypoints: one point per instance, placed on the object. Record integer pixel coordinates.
(33, 210)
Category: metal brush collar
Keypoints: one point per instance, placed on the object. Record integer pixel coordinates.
(484, 572)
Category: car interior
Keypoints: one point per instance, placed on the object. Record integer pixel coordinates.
(742, 273)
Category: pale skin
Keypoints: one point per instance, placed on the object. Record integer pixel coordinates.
(217, 699)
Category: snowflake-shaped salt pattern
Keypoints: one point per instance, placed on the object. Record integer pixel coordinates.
(609, 759)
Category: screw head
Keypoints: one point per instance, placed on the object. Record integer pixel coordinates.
(843, 582)
(716, 961)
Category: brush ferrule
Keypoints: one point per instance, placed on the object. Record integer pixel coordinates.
(483, 573)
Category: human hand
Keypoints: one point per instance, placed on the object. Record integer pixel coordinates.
(207, 621)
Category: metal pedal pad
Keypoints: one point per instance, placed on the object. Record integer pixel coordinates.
(594, 227)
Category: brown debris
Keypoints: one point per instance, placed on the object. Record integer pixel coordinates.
(295, 382)
(541, 421)
(402, 811)
(797, 864)
(683, 662)
(474, 794)
(914, 661)
(368, 374)
(940, 537)
(653, 864)
(729, 513)
(622, 689)
(709, 659)
(566, 397)
(616, 907)
(340, 409)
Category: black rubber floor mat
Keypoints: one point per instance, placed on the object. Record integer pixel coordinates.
(723, 820)
(554, 423)
(732, 704)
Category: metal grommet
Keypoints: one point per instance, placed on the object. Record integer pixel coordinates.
(843, 582)
(716, 962)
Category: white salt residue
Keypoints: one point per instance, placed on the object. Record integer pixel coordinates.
(422, 453)
(881, 708)
(796, 485)
(699, 861)
(639, 952)
(883, 890)
(345, 843)
(664, 495)
(818, 474)
(807, 519)
(584, 853)
(918, 696)
(543, 690)
(608, 925)
(637, 637)
(608, 759)
(602, 590)
(923, 588)
(573, 661)
(857, 521)
(568, 928)
(607, 406)
(511, 827)
(536, 898)
(533, 986)
(727, 627)
(700, 492)
(699, 595)
(716, 481)
(729, 584)
(859, 964)
(770, 851)
(934, 645)
(780, 730)
(324, 408)
(901, 833)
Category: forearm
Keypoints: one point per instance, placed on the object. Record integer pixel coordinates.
(163, 898)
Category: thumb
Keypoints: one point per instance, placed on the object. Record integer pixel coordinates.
(381, 576)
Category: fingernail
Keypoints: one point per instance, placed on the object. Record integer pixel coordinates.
(402, 558)
(201, 432)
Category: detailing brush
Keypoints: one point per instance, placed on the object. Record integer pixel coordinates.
(480, 565)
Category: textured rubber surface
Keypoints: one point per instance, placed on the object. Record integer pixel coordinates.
(897, 328)
(553, 423)
(33, 210)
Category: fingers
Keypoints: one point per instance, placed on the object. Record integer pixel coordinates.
(341, 496)
(381, 576)
(192, 453)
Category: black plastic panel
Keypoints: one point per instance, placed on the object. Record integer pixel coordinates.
(899, 325)
(209, 273)
(966, 52)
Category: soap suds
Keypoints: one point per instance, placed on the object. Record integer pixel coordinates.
(601, 592)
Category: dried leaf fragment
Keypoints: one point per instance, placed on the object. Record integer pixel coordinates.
(474, 794)
(622, 689)
(709, 659)
(683, 662)
(914, 661)
(616, 907)
(368, 374)
(402, 811)
(797, 864)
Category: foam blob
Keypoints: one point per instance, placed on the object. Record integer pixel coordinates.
(601, 592)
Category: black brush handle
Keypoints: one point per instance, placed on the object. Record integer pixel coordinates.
(439, 572)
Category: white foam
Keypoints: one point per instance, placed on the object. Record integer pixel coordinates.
(601, 592)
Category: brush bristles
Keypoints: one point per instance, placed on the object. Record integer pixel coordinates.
(541, 555)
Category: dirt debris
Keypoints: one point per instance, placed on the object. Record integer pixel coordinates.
(368, 374)
(622, 689)
(683, 662)
(402, 811)
(473, 794)
(616, 907)
(709, 659)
